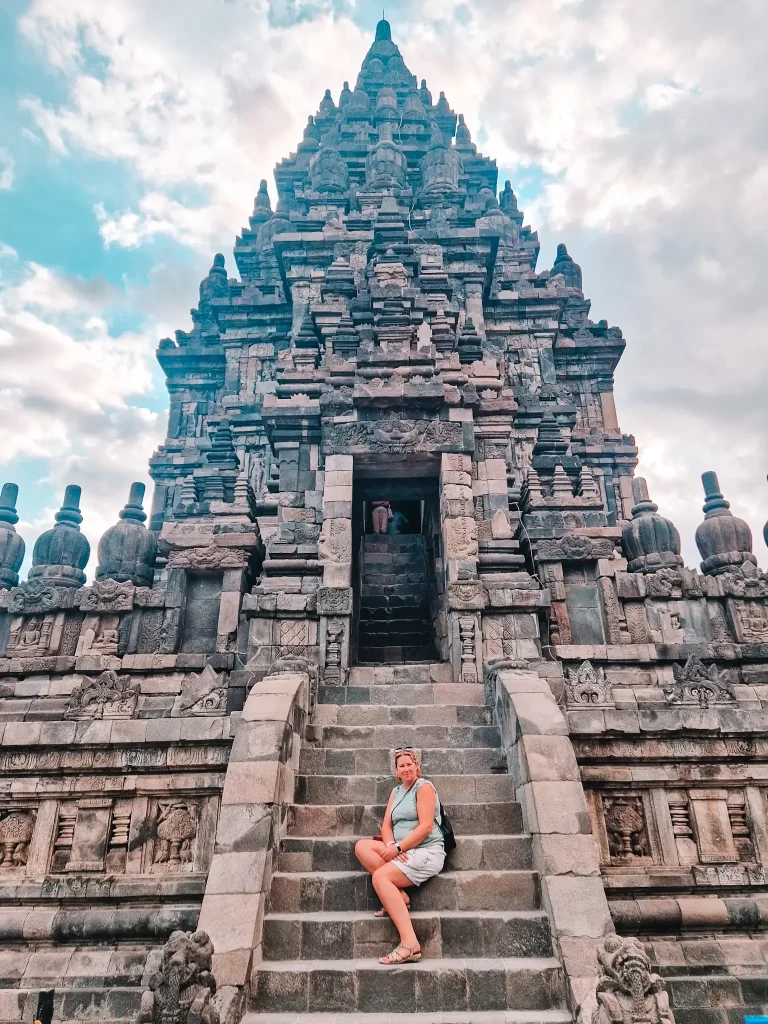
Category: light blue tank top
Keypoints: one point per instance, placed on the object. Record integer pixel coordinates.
(405, 814)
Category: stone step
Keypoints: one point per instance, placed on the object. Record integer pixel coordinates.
(300, 986)
(362, 789)
(353, 936)
(405, 632)
(434, 761)
(425, 1017)
(472, 853)
(434, 672)
(422, 737)
(394, 611)
(297, 892)
(387, 714)
(115, 1004)
(401, 694)
(393, 541)
(365, 819)
(393, 655)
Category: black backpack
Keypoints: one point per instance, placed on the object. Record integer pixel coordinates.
(445, 826)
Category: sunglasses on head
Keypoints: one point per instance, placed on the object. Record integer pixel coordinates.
(404, 750)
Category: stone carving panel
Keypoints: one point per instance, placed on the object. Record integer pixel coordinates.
(586, 686)
(30, 636)
(393, 435)
(16, 828)
(106, 696)
(176, 831)
(695, 683)
(202, 694)
(626, 828)
(106, 596)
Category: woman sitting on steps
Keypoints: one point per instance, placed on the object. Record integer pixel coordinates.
(410, 850)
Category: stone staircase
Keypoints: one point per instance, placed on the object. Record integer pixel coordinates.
(394, 623)
(486, 941)
(87, 981)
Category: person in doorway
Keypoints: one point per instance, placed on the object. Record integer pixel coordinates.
(381, 515)
(410, 850)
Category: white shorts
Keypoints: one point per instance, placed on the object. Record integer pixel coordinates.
(423, 862)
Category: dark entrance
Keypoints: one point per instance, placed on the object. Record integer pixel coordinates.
(396, 592)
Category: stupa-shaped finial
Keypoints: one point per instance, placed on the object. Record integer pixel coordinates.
(12, 546)
(565, 265)
(222, 453)
(60, 554)
(650, 541)
(128, 549)
(724, 541)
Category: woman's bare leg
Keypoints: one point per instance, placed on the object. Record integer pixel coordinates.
(369, 853)
(389, 881)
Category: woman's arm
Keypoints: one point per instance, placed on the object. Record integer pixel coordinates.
(425, 806)
(386, 826)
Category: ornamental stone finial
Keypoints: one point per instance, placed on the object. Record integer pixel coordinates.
(508, 199)
(649, 540)
(565, 265)
(61, 553)
(469, 345)
(128, 549)
(12, 546)
(214, 285)
(724, 541)
(262, 207)
(222, 453)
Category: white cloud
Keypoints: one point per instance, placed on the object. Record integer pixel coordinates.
(71, 393)
(7, 167)
(647, 119)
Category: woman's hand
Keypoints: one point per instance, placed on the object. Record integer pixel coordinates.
(390, 853)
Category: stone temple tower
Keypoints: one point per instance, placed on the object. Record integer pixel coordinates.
(394, 506)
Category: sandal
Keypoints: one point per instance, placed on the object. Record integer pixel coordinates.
(381, 912)
(396, 957)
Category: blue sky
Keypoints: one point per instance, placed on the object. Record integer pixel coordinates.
(135, 134)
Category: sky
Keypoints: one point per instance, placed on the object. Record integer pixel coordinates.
(133, 136)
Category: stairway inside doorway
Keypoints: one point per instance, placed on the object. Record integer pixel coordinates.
(394, 618)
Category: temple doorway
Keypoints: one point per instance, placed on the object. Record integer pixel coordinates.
(396, 544)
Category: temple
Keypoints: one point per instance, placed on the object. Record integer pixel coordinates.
(195, 735)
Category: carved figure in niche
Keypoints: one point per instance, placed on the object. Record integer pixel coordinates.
(106, 696)
(753, 623)
(625, 824)
(588, 686)
(381, 515)
(627, 991)
(30, 637)
(697, 684)
(16, 830)
(181, 991)
(176, 828)
(105, 641)
(101, 639)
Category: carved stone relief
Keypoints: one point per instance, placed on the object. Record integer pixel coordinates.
(16, 828)
(696, 684)
(106, 696)
(176, 831)
(587, 687)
